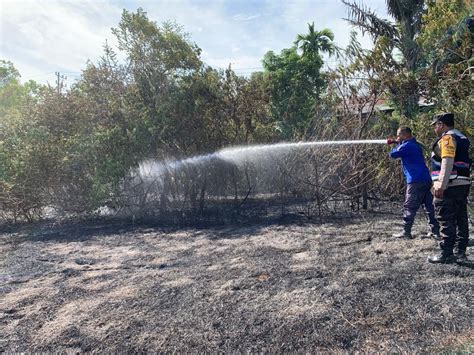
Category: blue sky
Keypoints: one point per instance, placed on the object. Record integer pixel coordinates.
(44, 36)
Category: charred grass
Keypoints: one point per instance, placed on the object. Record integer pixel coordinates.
(341, 286)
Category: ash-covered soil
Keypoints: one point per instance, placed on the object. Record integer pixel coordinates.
(341, 286)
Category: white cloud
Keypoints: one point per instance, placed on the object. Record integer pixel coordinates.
(54, 35)
(44, 36)
(243, 63)
(245, 17)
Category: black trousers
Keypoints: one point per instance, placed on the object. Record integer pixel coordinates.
(419, 194)
(451, 213)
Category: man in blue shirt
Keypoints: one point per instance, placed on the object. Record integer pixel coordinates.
(419, 183)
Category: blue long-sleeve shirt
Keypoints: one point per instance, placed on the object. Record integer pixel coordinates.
(413, 162)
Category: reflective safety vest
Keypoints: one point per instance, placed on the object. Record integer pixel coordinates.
(462, 161)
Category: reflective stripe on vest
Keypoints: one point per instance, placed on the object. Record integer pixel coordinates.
(462, 161)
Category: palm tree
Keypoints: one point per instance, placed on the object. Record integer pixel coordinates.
(315, 42)
(402, 35)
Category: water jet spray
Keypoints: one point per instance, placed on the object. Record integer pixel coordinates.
(240, 154)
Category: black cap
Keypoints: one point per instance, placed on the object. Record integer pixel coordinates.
(446, 118)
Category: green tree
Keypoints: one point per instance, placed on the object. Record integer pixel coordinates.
(447, 37)
(216, 108)
(158, 58)
(13, 94)
(296, 81)
(8, 73)
(315, 42)
(23, 147)
(402, 36)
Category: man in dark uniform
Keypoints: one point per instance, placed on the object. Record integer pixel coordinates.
(451, 175)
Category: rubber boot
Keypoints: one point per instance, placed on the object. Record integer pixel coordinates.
(442, 258)
(445, 257)
(433, 235)
(405, 234)
(461, 257)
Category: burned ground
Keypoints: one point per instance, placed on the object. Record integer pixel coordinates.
(345, 285)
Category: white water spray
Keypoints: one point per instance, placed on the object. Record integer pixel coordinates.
(238, 155)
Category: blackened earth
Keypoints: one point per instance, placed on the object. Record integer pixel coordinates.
(344, 285)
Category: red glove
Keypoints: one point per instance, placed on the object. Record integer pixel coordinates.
(391, 141)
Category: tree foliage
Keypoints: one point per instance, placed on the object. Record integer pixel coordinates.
(447, 40)
(401, 36)
(296, 80)
(76, 150)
